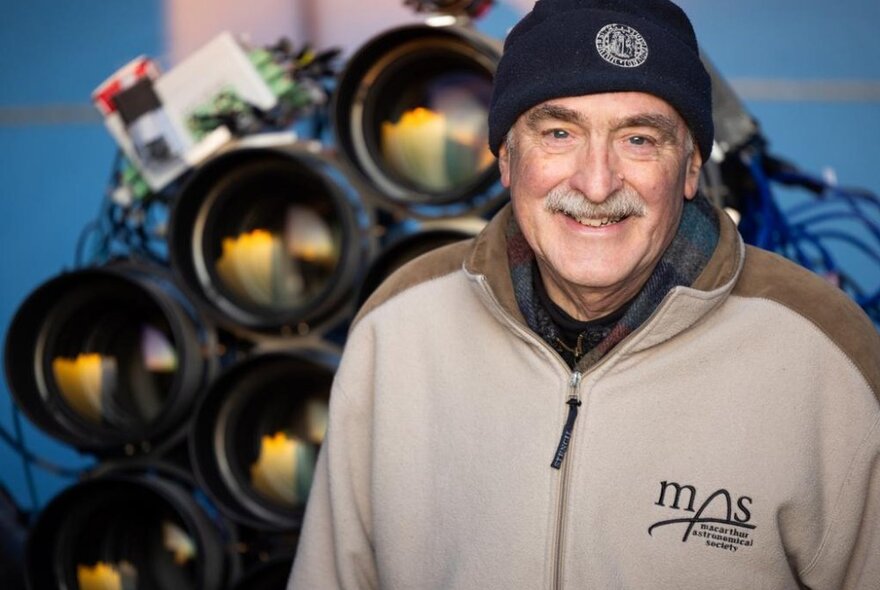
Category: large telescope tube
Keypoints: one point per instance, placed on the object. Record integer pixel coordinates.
(108, 359)
(269, 239)
(257, 433)
(410, 115)
(128, 531)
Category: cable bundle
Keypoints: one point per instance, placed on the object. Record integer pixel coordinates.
(824, 227)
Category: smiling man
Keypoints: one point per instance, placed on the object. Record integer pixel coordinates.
(606, 388)
(597, 182)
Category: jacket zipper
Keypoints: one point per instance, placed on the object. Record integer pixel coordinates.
(573, 403)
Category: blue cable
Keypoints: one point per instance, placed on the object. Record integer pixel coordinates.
(797, 233)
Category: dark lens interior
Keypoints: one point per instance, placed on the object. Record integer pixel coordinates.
(426, 119)
(111, 358)
(273, 240)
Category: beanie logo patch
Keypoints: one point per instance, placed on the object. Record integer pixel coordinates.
(621, 45)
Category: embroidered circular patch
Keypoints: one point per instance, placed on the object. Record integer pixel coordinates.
(621, 45)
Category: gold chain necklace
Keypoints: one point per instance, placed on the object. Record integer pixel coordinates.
(578, 350)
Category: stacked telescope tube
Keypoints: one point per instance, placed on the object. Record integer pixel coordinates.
(111, 365)
(256, 434)
(410, 119)
(270, 239)
(109, 359)
(140, 525)
(410, 239)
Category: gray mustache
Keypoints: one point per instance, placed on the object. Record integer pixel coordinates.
(623, 203)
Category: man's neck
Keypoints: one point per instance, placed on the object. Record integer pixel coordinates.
(587, 304)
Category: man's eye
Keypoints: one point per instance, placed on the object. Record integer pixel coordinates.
(639, 140)
(558, 134)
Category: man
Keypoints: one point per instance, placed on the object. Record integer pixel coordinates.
(606, 388)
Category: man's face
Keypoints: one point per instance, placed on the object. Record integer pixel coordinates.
(615, 169)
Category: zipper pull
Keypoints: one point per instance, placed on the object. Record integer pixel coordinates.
(573, 404)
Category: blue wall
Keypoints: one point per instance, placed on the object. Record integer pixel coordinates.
(55, 155)
(55, 159)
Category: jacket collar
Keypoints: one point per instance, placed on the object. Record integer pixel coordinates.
(681, 308)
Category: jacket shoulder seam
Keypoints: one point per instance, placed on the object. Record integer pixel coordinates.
(832, 312)
(435, 264)
(858, 366)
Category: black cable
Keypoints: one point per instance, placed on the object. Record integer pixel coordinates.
(28, 472)
(35, 459)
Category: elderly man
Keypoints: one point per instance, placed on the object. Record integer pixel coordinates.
(606, 388)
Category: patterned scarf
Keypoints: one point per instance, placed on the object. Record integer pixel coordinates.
(680, 265)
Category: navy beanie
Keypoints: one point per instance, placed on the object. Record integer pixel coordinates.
(577, 47)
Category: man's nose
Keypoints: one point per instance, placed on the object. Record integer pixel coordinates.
(597, 173)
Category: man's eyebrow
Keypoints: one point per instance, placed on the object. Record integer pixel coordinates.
(665, 125)
(547, 112)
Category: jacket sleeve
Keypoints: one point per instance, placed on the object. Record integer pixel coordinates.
(849, 558)
(335, 548)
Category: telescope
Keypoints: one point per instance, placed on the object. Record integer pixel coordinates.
(257, 432)
(410, 120)
(130, 528)
(269, 239)
(109, 359)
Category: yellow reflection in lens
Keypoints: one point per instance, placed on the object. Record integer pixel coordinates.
(104, 576)
(284, 469)
(84, 381)
(178, 543)
(437, 150)
(256, 266)
(247, 265)
(414, 147)
(158, 352)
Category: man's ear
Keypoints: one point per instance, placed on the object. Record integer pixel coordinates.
(504, 164)
(692, 178)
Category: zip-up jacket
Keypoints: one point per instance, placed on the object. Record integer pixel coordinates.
(731, 442)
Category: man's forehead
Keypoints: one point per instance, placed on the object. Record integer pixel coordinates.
(615, 107)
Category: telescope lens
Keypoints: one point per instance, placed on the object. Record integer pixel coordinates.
(274, 443)
(283, 468)
(269, 238)
(432, 126)
(115, 546)
(112, 359)
(274, 241)
(256, 436)
(411, 113)
(107, 359)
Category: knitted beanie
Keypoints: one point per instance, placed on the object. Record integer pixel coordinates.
(577, 47)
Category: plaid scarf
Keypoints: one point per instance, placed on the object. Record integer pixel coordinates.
(680, 265)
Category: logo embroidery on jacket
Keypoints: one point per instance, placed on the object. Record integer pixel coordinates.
(719, 521)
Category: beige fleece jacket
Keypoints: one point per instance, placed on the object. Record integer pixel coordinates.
(732, 442)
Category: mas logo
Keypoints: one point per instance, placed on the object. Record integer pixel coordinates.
(721, 521)
(621, 45)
